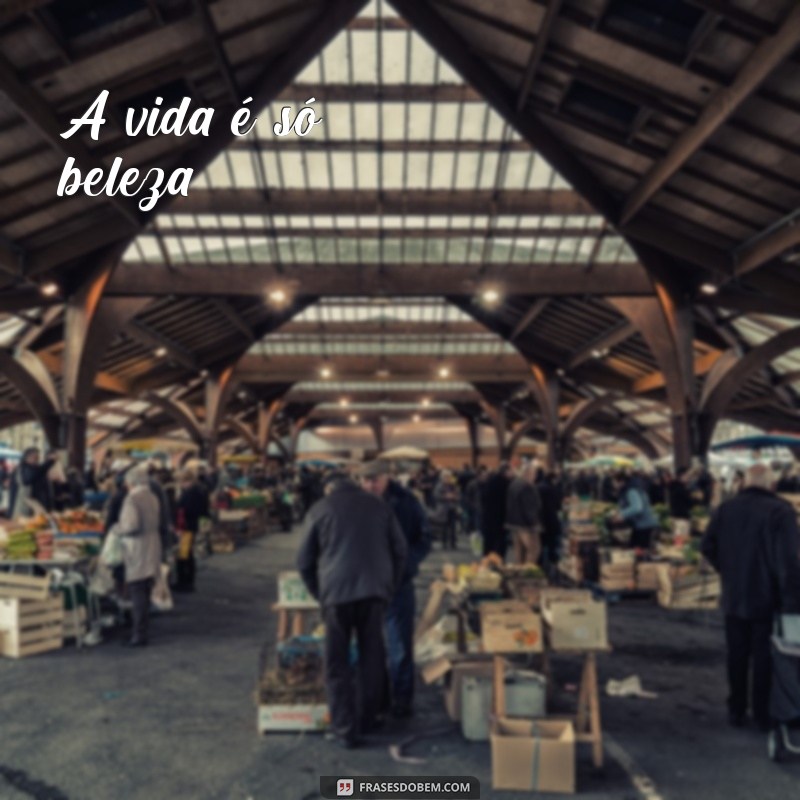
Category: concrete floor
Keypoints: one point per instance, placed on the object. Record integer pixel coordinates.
(177, 720)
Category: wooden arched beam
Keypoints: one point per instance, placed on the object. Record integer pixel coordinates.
(32, 380)
(182, 415)
(640, 440)
(727, 383)
(245, 431)
(266, 419)
(530, 424)
(275, 439)
(584, 411)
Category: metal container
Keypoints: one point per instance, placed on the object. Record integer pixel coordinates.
(526, 696)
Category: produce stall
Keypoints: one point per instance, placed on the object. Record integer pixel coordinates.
(291, 692)
(484, 627)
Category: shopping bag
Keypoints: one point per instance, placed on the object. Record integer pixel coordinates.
(161, 597)
(185, 542)
(111, 555)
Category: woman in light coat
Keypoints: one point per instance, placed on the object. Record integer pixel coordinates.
(138, 529)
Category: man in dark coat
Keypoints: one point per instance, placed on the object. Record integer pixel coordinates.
(352, 560)
(552, 496)
(524, 516)
(754, 543)
(493, 511)
(192, 506)
(680, 497)
(400, 614)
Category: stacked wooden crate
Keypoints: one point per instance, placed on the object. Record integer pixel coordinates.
(618, 570)
(31, 620)
(688, 587)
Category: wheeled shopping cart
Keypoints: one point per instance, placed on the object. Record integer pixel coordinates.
(784, 738)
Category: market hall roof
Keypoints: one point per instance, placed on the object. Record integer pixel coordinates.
(621, 140)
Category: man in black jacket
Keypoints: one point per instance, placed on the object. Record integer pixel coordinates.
(493, 511)
(680, 496)
(400, 614)
(191, 507)
(352, 560)
(754, 543)
(523, 516)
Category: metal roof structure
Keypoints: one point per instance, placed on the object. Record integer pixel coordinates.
(582, 210)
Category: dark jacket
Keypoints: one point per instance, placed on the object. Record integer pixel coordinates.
(192, 505)
(414, 524)
(353, 549)
(494, 492)
(34, 477)
(523, 504)
(164, 516)
(680, 500)
(552, 499)
(754, 543)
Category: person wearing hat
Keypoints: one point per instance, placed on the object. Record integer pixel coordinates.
(375, 478)
(352, 561)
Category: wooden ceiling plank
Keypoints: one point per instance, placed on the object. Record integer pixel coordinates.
(29, 104)
(769, 54)
(605, 341)
(537, 53)
(367, 280)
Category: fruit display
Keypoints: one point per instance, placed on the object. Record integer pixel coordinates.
(243, 501)
(79, 521)
(21, 545)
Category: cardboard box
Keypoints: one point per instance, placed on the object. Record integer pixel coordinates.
(575, 621)
(292, 591)
(533, 755)
(301, 717)
(512, 632)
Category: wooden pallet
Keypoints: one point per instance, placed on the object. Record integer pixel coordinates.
(31, 626)
(24, 587)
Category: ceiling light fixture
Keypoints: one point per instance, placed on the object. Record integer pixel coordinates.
(354, 418)
(344, 402)
(426, 401)
(708, 288)
(278, 297)
(444, 372)
(325, 373)
(491, 297)
(160, 352)
(49, 289)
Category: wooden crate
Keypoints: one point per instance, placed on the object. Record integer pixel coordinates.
(24, 587)
(31, 626)
(681, 589)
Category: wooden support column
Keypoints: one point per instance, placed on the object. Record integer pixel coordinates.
(266, 419)
(666, 323)
(91, 322)
(377, 431)
(298, 426)
(473, 431)
(497, 416)
(32, 380)
(219, 386)
(545, 389)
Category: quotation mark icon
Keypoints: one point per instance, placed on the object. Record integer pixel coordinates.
(344, 787)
